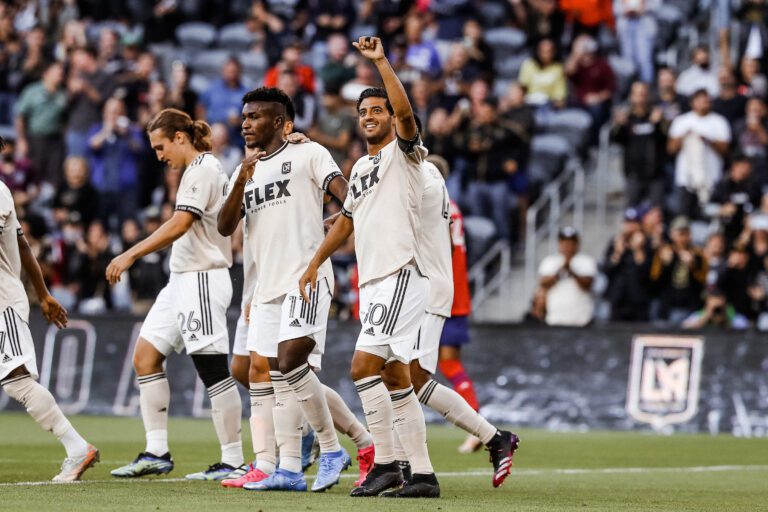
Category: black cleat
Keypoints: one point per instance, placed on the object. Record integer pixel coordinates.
(502, 448)
(381, 478)
(420, 486)
(405, 467)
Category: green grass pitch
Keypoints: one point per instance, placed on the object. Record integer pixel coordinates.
(598, 471)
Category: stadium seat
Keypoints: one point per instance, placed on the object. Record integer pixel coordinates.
(505, 39)
(625, 71)
(196, 35)
(93, 31)
(208, 63)
(199, 83)
(668, 17)
(548, 154)
(492, 14)
(254, 66)
(235, 37)
(508, 66)
(480, 233)
(572, 124)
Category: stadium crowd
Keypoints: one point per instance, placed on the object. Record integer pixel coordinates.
(81, 78)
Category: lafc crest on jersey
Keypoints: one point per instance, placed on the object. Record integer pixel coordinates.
(286, 167)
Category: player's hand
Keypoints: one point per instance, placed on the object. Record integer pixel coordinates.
(297, 138)
(117, 266)
(54, 312)
(249, 163)
(370, 48)
(309, 278)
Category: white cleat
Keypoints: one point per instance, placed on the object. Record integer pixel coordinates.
(73, 467)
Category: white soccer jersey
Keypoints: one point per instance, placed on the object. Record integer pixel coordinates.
(12, 293)
(435, 241)
(283, 208)
(201, 192)
(383, 202)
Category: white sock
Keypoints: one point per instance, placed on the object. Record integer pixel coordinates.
(226, 412)
(154, 399)
(379, 415)
(345, 421)
(411, 429)
(400, 454)
(41, 405)
(456, 410)
(287, 418)
(311, 395)
(262, 426)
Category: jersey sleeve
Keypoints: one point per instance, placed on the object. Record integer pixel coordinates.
(348, 207)
(323, 168)
(198, 186)
(8, 218)
(412, 149)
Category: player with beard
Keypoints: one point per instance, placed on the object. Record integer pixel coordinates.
(279, 191)
(382, 207)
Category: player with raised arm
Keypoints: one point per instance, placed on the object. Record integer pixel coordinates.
(280, 193)
(190, 312)
(436, 249)
(382, 207)
(18, 366)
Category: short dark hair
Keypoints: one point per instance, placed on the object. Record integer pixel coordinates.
(375, 92)
(272, 95)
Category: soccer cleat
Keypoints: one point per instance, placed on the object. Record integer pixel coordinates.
(145, 464)
(331, 466)
(307, 453)
(470, 445)
(73, 467)
(379, 479)
(280, 480)
(215, 472)
(253, 475)
(502, 448)
(420, 486)
(365, 461)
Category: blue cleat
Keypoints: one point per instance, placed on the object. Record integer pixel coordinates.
(280, 480)
(331, 466)
(307, 452)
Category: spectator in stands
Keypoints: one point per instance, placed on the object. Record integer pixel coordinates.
(110, 61)
(420, 55)
(641, 130)
(222, 101)
(304, 103)
(76, 194)
(41, 113)
(340, 66)
(115, 146)
(330, 18)
(65, 260)
(730, 103)
(480, 52)
(735, 280)
(16, 173)
(588, 16)
(34, 59)
(335, 126)
(736, 196)
(671, 102)
(180, 95)
(699, 75)
(593, 81)
(715, 254)
(566, 282)
(458, 73)
(423, 101)
(700, 139)
(678, 272)
(717, 312)
(291, 63)
(284, 21)
(387, 16)
(230, 156)
(627, 265)
(88, 88)
(156, 99)
(364, 78)
(540, 19)
(753, 36)
(518, 117)
(544, 77)
(636, 29)
(94, 294)
(441, 139)
(450, 17)
(161, 20)
(751, 138)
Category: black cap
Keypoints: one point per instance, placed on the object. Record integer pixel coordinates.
(568, 233)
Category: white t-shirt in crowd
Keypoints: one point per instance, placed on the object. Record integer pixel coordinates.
(383, 202)
(567, 303)
(12, 293)
(697, 163)
(201, 193)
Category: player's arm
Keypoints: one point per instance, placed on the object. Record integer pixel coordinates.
(338, 234)
(232, 210)
(405, 124)
(338, 188)
(52, 310)
(171, 230)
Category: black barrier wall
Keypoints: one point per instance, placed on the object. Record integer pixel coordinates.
(532, 376)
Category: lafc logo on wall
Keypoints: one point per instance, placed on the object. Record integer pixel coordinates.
(664, 379)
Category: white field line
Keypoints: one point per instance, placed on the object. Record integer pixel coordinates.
(459, 474)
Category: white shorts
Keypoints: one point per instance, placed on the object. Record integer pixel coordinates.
(289, 317)
(427, 347)
(240, 347)
(16, 346)
(391, 310)
(191, 312)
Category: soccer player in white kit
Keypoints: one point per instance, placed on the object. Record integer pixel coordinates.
(280, 193)
(18, 366)
(382, 207)
(190, 312)
(435, 246)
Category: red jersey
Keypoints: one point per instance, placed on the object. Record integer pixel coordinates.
(462, 300)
